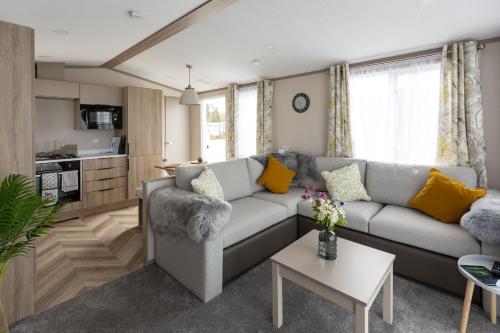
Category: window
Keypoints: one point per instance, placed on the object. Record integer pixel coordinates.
(213, 115)
(247, 121)
(394, 111)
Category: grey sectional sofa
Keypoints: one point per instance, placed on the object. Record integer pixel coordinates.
(262, 223)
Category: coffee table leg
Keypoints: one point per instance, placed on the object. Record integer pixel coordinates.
(277, 296)
(467, 299)
(493, 315)
(361, 318)
(388, 299)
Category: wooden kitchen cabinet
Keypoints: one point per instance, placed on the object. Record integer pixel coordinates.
(104, 163)
(143, 113)
(97, 94)
(17, 124)
(142, 168)
(104, 181)
(56, 89)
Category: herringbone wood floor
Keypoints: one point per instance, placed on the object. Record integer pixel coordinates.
(85, 253)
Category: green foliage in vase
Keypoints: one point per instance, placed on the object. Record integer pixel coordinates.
(326, 212)
(24, 216)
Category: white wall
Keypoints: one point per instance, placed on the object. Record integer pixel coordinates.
(177, 131)
(303, 132)
(307, 132)
(490, 83)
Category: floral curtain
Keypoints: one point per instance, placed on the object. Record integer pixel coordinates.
(461, 130)
(231, 121)
(264, 116)
(339, 141)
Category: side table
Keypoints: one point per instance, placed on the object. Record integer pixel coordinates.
(477, 260)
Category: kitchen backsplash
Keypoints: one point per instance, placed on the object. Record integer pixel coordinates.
(55, 126)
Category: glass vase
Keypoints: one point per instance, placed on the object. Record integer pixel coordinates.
(327, 245)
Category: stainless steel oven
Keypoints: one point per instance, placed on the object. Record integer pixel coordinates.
(59, 180)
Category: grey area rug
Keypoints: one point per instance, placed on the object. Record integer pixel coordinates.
(149, 300)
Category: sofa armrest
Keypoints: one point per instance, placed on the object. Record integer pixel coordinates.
(198, 266)
(147, 188)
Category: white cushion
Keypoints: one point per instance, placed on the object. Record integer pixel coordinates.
(289, 200)
(358, 213)
(249, 216)
(408, 226)
(344, 184)
(208, 184)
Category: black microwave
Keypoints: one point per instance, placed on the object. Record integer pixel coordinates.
(102, 117)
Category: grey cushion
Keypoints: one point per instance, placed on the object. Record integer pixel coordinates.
(408, 226)
(289, 200)
(249, 216)
(330, 164)
(358, 213)
(255, 170)
(232, 175)
(184, 174)
(396, 184)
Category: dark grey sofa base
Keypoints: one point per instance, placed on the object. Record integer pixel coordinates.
(244, 255)
(434, 269)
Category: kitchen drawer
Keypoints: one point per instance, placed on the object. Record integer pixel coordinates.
(72, 206)
(103, 197)
(91, 175)
(104, 184)
(104, 163)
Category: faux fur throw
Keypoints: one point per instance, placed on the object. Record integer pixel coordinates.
(303, 165)
(483, 219)
(181, 213)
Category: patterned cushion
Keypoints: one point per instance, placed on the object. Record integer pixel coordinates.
(345, 184)
(208, 184)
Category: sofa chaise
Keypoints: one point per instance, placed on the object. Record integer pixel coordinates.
(263, 223)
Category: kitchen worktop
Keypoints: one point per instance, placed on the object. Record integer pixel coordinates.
(83, 157)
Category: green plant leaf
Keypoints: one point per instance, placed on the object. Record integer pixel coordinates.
(24, 216)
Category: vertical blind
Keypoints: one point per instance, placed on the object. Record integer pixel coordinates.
(394, 111)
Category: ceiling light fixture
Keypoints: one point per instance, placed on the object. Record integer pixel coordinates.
(61, 32)
(269, 46)
(134, 14)
(189, 96)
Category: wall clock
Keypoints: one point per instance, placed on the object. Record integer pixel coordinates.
(300, 102)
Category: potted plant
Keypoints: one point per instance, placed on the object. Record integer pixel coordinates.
(327, 214)
(24, 216)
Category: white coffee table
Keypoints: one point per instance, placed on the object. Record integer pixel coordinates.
(477, 260)
(352, 281)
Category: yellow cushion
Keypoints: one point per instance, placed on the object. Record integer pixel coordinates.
(277, 177)
(444, 198)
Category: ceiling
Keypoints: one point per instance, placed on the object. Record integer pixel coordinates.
(98, 29)
(287, 37)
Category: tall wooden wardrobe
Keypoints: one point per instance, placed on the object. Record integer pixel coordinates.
(17, 128)
(143, 108)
